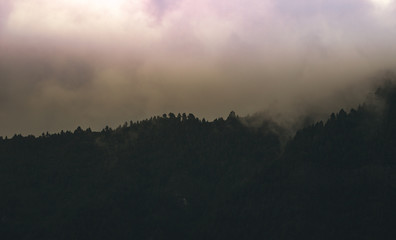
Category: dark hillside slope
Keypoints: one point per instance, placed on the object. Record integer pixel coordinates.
(167, 177)
(344, 172)
(179, 177)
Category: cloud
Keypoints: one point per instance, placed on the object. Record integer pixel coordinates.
(96, 63)
(159, 8)
(5, 9)
(313, 8)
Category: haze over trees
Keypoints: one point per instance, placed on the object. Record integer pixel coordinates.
(180, 177)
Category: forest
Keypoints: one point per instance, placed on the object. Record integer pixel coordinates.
(176, 176)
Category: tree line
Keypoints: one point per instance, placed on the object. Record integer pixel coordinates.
(180, 177)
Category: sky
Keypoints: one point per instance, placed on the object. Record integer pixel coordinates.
(92, 63)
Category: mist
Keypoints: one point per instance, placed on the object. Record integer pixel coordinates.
(65, 64)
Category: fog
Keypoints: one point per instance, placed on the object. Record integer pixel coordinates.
(89, 63)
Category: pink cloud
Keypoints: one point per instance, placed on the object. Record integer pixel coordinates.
(159, 8)
(5, 10)
(93, 59)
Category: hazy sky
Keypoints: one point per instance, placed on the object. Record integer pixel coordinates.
(65, 63)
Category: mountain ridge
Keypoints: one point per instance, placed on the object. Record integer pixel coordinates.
(177, 176)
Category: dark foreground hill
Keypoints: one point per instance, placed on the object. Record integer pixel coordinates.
(179, 177)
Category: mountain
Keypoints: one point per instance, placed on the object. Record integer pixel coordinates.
(180, 177)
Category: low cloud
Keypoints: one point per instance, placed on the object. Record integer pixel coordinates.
(97, 63)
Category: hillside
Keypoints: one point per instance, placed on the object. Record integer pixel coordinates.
(180, 177)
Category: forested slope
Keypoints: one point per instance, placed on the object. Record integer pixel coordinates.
(179, 177)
